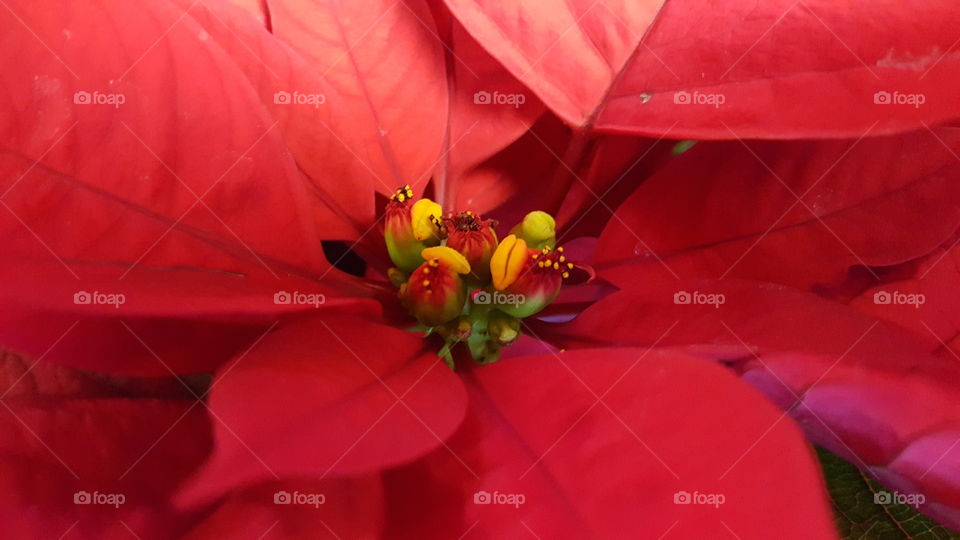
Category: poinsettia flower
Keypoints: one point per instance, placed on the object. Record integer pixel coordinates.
(199, 189)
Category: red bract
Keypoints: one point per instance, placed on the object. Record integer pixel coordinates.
(708, 70)
(197, 188)
(74, 446)
(798, 213)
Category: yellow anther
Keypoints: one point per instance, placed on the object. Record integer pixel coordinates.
(426, 270)
(570, 266)
(562, 258)
(402, 194)
(565, 274)
(423, 215)
(507, 261)
(449, 256)
(556, 266)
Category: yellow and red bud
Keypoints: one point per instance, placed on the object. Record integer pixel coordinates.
(410, 227)
(474, 238)
(436, 292)
(528, 279)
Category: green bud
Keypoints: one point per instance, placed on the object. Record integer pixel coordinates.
(538, 229)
